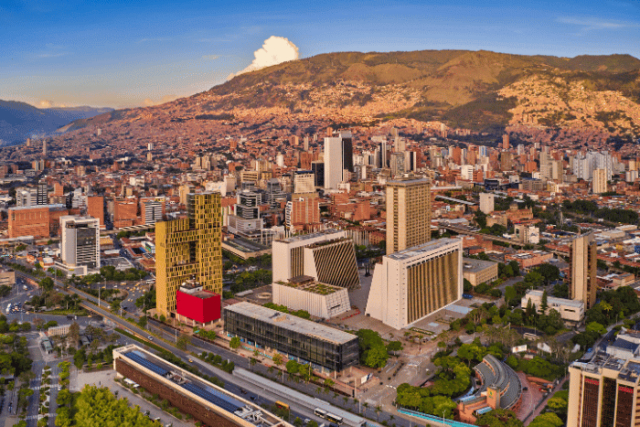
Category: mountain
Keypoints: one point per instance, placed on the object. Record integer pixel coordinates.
(19, 120)
(586, 98)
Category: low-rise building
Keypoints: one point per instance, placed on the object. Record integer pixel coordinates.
(326, 348)
(529, 259)
(305, 293)
(570, 310)
(478, 271)
(7, 277)
(196, 305)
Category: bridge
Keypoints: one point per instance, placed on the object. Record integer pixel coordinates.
(463, 230)
(451, 199)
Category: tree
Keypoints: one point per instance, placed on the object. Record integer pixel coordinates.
(235, 343)
(467, 286)
(597, 328)
(110, 408)
(47, 284)
(183, 341)
(293, 367)
(277, 359)
(253, 361)
(394, 346)
(544, 304)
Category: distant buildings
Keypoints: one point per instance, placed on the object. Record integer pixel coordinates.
(599, 183)
(408, 213)
(246, 221)
(487, 203)
(416, 282)
(189, 248)
(584, 259)
(36, 221)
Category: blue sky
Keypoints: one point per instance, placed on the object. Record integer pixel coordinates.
(120, 53)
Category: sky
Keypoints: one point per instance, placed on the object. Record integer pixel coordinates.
(130, 53)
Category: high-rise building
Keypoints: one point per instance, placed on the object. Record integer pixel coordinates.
(505, 141)
(327, 256)
(152, 211)
(487, 203)
(416, 282)
(584, 259)
(189, 248)
(42, 193)
(80, 243)
(318, 173)
(599, 182)
(338, 158)
(605, 391)
(398, 166)
(95, 208)
(302, 213)
(247, 222)
(44, 148)
(506, 161)
(408, 213)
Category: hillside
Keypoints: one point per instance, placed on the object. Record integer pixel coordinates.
(484, 91)
(19, 120)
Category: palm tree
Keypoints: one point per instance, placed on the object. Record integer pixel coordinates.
(253, 362)
(378, 410)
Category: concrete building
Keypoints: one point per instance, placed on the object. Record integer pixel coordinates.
(487, 203)
(302, 213)
(416, 282)
(570, 310)
(207, 403)
(95, 209)
(327, 256)
(605, 391)
(529, 234)
(305, 293)
(478, 271)
(152, 211)
(197, 306)
(189, 248)
(599, 182)
(80, 244)
(529, 259)
(327, 349)
(246, 221)
(408, 213)
(36, 221)
(304, 184)
(583, 270)
(338, 158)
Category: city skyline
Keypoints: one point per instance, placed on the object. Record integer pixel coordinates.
(134, 55)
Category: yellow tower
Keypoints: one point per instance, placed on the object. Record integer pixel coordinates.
(189, 248)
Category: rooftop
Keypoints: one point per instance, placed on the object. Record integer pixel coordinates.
(292, 323)
(561, 301)
(303, 237)
(475, 265)
(308, 284)
(423, 248)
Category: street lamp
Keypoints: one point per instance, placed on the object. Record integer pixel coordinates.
(443, 412)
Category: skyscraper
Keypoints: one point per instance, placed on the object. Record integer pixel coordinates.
(189, 248)
(408, 213)
(583, 270)
(505, 141)
(338, 158)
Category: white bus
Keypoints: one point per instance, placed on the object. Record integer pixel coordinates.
(319, 412)
(334, 418)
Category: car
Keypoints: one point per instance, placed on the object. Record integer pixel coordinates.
(243, 391)
(306, 421)
(150, 338)
(525, 388)
(190, 360)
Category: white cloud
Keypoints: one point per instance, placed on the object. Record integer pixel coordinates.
(210, 57)
(45, 103)
(591, 24)
(275, 50)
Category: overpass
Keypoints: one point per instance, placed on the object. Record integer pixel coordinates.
(463, 230)
(451, 199)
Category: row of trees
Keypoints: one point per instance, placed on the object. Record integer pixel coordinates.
(373, 351)
(587, 207)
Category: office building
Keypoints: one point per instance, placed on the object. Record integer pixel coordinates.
(327, 256)
(197, 306)
(528, 234)
(42, 193)
(318, 173)
(95, 209)
(7, 277)
(408, 213)
(302, 213)
(36, 221)
(416, 282)
(327, 349)
(80, 244)
(570, 310)
(583, 270)
(599, 182)
(316, 298)
(478, 271)
(152, 211)
(506, 161)
(208, 404)
(505, 142)
(338, 159)
(304, 183)
(189, 248)
(25, 197)
(487, 203)
(604, 389)
(246, 221)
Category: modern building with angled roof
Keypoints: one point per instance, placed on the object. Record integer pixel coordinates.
(501, 388)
